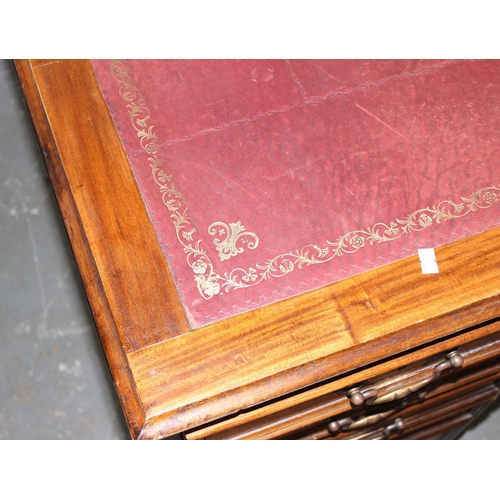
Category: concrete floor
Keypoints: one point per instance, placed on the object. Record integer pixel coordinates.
(54, 381)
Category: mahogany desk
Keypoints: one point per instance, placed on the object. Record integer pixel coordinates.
(389, 353)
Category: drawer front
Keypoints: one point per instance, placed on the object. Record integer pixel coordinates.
(411, 379)
(433, 415)
(422, 411)
(451, 428)
(378, 397)
(442, 429)
(452, 385)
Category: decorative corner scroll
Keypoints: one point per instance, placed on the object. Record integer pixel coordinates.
(232, 233)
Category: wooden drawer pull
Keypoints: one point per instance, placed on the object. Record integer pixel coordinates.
(369, 396)
(335, 426)
(397, 426)
(349, 424)
(455, 360)
(358, 397)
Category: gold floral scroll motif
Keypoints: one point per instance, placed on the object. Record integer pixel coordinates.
(232, 233)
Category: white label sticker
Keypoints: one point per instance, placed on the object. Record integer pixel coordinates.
(428, 261)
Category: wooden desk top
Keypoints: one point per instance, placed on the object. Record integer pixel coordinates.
(171, 377)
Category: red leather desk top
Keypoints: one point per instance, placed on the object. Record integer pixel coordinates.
(266, 179)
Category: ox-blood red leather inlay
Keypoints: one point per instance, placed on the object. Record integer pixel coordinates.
(266, 179)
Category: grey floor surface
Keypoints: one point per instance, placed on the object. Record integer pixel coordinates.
(54, 381)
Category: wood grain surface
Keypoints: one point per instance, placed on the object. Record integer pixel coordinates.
(171, 378)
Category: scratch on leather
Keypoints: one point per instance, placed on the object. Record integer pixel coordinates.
(379, 120)
(310, 101)
(418, 72)
(232, 124)
(295, 80)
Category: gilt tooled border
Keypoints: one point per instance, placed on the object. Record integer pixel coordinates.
(208, 281)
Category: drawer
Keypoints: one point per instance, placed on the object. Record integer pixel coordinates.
(453, 388)
(451, 428)
(441, 429)
(422, 412)
(407, 380)
(432, 415)
(377, 395)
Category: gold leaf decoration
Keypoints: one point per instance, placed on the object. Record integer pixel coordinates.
(232, 233)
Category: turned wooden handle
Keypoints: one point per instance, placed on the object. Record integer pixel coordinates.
(359, 396)
(397, 426)
(349, 424)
